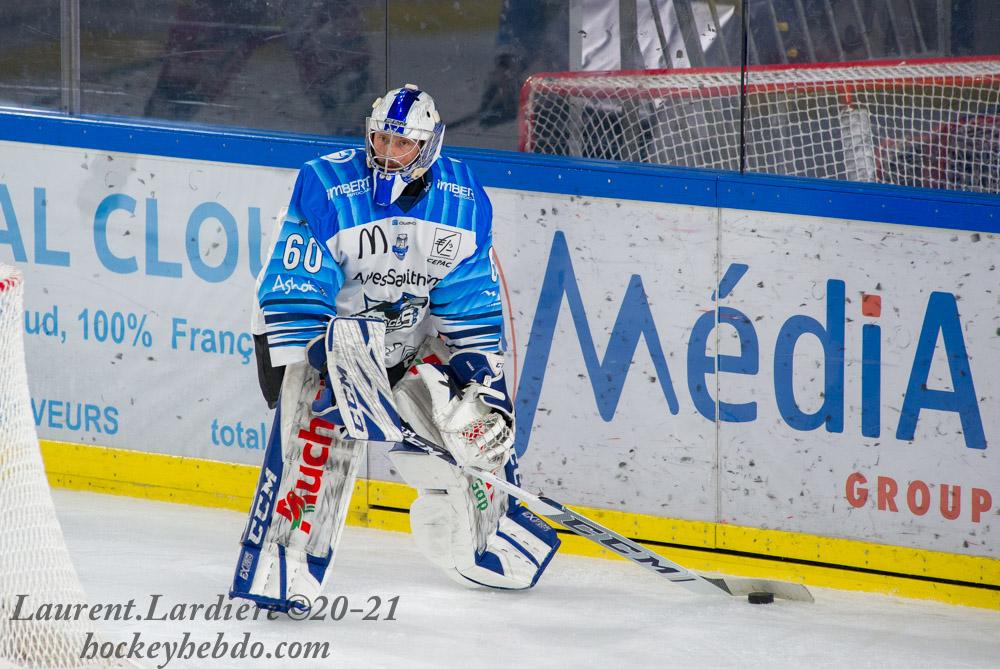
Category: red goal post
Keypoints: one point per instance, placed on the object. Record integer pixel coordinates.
(931, 122)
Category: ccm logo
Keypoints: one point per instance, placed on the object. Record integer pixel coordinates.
(352, 402)
(262, 508)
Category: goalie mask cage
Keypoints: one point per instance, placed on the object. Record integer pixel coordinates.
(931, 123)
(35, 567)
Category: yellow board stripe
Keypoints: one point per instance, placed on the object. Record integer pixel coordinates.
(787, 545)
(702, 546)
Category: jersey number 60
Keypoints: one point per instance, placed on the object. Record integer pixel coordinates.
(293, 255)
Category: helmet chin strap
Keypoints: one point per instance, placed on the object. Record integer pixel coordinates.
(388, 187)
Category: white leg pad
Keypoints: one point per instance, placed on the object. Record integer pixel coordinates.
(466, 530)
(432, 524)
(459, 523)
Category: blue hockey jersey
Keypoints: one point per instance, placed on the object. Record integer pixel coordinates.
(425, 271)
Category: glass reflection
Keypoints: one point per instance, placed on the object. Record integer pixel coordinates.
(30, 74)
(300, 65)
(654, 81)
(473, 58)
(875, 91)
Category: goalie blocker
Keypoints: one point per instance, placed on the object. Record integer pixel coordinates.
(328, 410)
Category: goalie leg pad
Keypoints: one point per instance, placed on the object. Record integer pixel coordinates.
(476, 534)
(527, 541)
(470, 530)
(301, 501)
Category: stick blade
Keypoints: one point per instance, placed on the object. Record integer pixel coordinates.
(741, 587)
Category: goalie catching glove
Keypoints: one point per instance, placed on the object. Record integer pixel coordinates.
(471, 408)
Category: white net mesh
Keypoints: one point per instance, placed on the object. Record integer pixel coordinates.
(933, 124)
(35, 568)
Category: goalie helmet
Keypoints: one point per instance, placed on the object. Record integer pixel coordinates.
(403, 139)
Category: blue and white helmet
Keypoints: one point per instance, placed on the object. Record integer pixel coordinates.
(406, 113)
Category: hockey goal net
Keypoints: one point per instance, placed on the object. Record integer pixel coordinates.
(929, 123)
(35, 568)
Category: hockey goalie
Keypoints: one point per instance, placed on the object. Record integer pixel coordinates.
(380, 315)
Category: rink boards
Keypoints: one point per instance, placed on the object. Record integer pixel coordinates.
(763, 366)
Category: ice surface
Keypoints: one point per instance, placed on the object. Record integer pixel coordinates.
(584, 612)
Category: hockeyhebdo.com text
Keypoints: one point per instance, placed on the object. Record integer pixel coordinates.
(196, 646)
(235, 646)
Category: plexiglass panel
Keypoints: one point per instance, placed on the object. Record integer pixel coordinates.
(473, 57)
(309, 66)
(888, 91)
(652, 82)
(30, 74)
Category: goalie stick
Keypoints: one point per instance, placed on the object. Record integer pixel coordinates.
(642, 556)
(360, 385)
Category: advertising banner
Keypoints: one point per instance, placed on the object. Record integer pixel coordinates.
(861, 392)
(827, 376)
(139, 275)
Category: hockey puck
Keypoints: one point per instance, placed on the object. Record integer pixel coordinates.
(760, 598)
